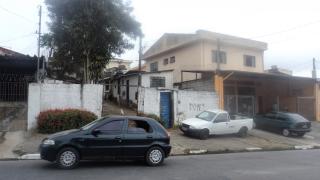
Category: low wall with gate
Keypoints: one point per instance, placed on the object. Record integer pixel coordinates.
(183, 103)
(42, 97)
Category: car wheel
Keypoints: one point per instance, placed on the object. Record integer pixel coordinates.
(300, 134)
(155, 156)
(285, 132)
(204, 134)
(243, 132)
(68, 158)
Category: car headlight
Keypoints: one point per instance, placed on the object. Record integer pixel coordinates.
(192, 127)
(48, 142)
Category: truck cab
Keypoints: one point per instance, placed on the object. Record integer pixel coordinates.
(216, 122)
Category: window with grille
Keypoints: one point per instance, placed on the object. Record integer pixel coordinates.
(157, 82)
(221, 55)
(172, 59)
(154, 67)
(249, 61)
(165, 61)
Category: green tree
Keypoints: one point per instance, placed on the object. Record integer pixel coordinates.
(85, 34)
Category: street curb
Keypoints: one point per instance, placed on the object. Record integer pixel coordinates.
(249, 149)
(30, 157)
(9, 159)
(303, 147)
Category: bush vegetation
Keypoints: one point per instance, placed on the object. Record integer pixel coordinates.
(56, 120)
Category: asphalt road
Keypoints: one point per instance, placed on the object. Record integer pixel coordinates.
(282, 165)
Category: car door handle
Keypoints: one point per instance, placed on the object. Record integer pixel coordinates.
(118, 138)
(149, 137)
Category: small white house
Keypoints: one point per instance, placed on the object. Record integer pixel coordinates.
(125, 87)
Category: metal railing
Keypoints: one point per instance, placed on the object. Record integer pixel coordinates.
(14, 87)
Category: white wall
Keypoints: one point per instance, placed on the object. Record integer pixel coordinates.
(149, 101)
(133, 83)
(186, 104)
(191, 103)
(52, 96)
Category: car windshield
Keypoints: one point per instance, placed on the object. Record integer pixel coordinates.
(206, 115)
(296, 117)
(88, 126)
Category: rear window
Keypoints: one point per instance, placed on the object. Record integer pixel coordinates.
(159, 127)
(138, 126)
(296, 117)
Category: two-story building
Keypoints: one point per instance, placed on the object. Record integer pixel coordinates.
(233, 68)
(204, 51)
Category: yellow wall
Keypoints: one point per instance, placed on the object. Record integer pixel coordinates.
(187, 58)
(197, 56)
(235, 59)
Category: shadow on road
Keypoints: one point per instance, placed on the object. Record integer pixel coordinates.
(98, 164)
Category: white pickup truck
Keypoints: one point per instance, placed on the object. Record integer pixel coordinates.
(215, 122)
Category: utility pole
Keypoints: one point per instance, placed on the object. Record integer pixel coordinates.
(218, 55)
(314, 70)
(39, 40)
(140, 58)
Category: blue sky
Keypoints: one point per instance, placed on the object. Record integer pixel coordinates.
(291, 28)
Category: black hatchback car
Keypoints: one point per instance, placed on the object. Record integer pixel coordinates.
(109, 138)
(285, 122)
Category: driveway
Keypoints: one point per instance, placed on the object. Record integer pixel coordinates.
(256, 140)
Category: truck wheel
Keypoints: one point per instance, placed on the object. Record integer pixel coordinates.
(243, 132)
(285, 132)
(204, 134)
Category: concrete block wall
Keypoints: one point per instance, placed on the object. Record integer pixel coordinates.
(43, 97)
(199, 85)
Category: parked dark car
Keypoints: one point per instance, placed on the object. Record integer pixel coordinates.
(109, 138)
(284, 122)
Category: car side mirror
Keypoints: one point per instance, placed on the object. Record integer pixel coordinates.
(95, 132)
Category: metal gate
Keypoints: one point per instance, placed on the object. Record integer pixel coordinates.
(306, 107)
(14, 87)
(165, 108)
(239, 105)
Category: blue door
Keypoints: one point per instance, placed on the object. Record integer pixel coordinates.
(165, 108)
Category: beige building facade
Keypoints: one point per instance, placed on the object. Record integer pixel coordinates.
(204, 51)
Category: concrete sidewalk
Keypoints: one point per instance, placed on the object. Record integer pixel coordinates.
(256, 140)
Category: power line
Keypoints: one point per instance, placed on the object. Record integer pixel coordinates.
(18, 15)
(288, 30)
(17, 38)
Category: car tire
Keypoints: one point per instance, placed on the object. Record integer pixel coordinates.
(68, 158)
(286, 132)
(243, 132)
(204, 134)
(301, 134)
(155, 156)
